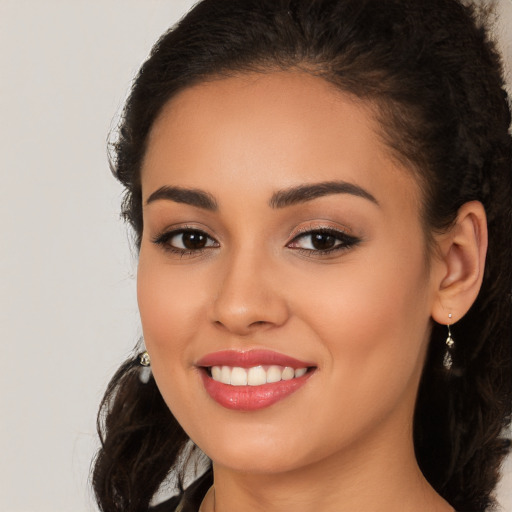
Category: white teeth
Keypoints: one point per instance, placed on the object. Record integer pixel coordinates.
(238, 376)
(274, 374)
(288, 373)
(225, 376)
(255, 376)
(299, 372)
(217, 373)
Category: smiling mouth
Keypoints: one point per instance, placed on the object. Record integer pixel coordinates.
(253, 379)
(255, 375)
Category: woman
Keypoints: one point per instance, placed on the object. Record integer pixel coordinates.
(320, 193)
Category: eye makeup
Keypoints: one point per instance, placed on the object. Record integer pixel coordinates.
(322, 241)
(185, 241)
(312, 241)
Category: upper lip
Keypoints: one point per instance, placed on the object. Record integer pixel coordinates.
(250, 358)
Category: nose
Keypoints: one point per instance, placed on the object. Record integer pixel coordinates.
(248, 297)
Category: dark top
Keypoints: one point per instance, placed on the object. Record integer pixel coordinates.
(190, 500)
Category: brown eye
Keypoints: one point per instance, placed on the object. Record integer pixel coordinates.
(322, 241)
(185, 241)
(193, 240)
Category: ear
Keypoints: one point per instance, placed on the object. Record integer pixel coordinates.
(460, 263)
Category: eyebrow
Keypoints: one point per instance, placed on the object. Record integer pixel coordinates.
(280, 199)
(304, 193)
(190, 196)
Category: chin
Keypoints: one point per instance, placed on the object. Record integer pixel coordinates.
(254, 460)
(260, 448)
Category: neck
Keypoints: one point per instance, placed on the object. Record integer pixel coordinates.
(379, 472)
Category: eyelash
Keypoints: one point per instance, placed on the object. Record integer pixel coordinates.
(164, 240)
(345, 241)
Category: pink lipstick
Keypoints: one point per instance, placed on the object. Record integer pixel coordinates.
(252, 380)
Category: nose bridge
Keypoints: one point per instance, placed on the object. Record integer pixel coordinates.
(248, 295)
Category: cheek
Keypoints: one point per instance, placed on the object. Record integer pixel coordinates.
(373, 317)
(170, 304)
(168, 300)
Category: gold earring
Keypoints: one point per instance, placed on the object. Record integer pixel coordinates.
(144, 359)
(145, 367)
(448, 359)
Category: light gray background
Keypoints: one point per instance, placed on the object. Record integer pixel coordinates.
(68, 312)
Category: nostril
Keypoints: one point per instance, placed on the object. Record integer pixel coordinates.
(248, 313)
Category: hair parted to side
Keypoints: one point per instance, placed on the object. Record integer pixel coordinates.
(436, 84)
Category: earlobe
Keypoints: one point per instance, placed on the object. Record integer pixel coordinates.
(462, 253)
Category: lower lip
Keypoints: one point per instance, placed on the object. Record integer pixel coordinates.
(251, 398)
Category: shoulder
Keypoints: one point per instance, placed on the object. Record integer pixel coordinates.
(190, 500)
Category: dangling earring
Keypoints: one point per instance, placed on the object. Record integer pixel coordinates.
(448, 359)
(145, 367)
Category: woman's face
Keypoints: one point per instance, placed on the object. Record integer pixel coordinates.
(280, 237)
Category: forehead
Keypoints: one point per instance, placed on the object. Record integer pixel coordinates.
(269, 131)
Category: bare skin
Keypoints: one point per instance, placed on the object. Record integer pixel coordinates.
(359, 306)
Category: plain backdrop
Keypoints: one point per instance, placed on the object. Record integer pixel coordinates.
(68, 313)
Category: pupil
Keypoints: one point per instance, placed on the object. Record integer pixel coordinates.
(194, 240)
(322, 242)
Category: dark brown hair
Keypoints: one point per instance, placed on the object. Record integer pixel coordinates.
(436, 83)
